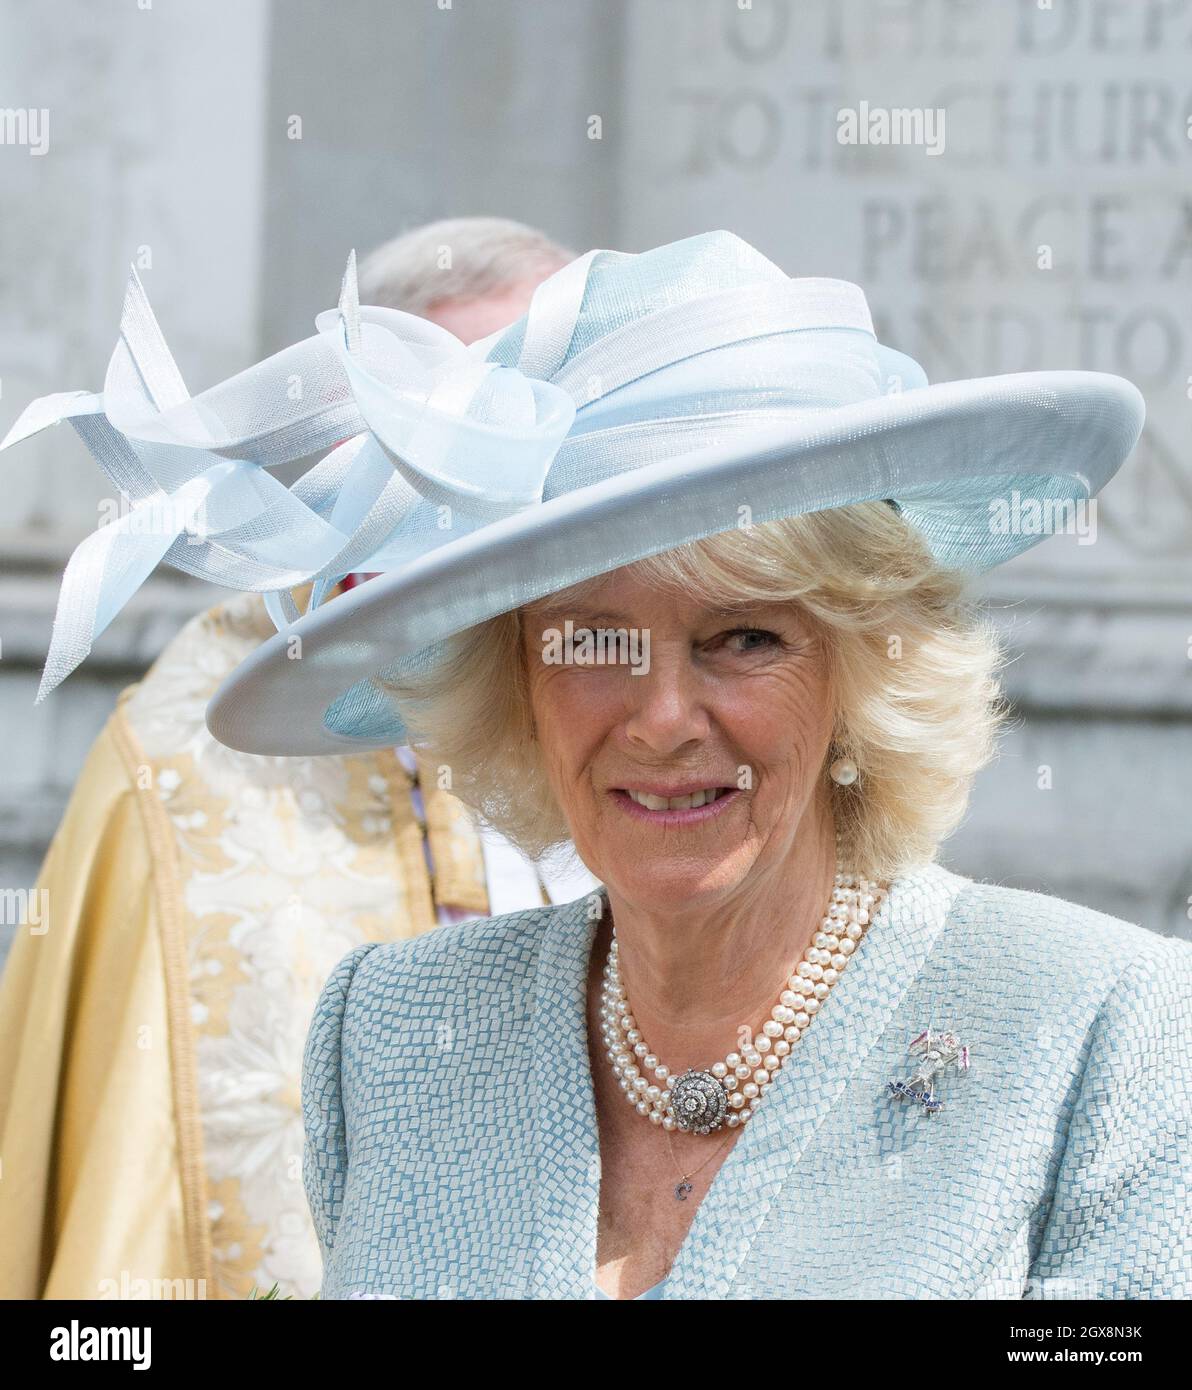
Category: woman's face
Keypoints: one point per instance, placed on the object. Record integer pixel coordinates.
(739, 703)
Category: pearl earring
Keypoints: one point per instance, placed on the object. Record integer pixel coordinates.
(843, 772)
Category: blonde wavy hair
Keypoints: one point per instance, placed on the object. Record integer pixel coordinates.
(913, 665)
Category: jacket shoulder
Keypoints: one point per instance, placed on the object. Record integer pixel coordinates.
(474, 958)
(1067, 948)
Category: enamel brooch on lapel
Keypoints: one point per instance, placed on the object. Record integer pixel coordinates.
(935, 1051)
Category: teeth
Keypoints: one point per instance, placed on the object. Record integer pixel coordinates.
(675, 803)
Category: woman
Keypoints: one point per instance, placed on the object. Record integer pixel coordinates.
(466, 1094)
(676, 570)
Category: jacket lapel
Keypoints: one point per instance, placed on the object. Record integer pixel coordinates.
(566, 1144)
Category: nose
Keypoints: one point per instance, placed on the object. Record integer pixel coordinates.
(666, 707)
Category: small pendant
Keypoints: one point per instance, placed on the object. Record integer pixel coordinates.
(936, 1051)
(681, 1190)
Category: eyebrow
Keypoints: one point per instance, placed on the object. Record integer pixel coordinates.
(603, 616)
(576, 614)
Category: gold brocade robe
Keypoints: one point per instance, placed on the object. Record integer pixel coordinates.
(192, 904)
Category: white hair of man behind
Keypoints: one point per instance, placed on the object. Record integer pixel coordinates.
(456, 258)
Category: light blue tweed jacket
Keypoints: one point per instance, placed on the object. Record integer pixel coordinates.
(452, 1147)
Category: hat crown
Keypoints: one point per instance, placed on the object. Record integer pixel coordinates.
(620, 288)
(610, 318)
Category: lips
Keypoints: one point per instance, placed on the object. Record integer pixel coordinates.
(686, 802)
(672, 810)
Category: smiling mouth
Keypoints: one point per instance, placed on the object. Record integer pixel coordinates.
(676, 803)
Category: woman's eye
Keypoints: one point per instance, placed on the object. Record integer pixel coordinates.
(752, 639)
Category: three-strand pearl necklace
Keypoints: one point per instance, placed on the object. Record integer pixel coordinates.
(728, 1092)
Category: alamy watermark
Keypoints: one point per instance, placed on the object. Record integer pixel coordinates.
(82, 1342)
(159, 514)
(131, 1286)
(597, 646)
(882, 125)
(1017, 515)
(25, 125)
(26, 907)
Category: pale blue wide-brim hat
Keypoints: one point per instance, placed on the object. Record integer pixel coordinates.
(642, 402)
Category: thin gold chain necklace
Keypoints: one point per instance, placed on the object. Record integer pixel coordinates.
(683, 1187)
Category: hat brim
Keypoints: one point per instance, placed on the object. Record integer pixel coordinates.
(942, 452)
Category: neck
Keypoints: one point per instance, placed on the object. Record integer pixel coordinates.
(696, 974)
